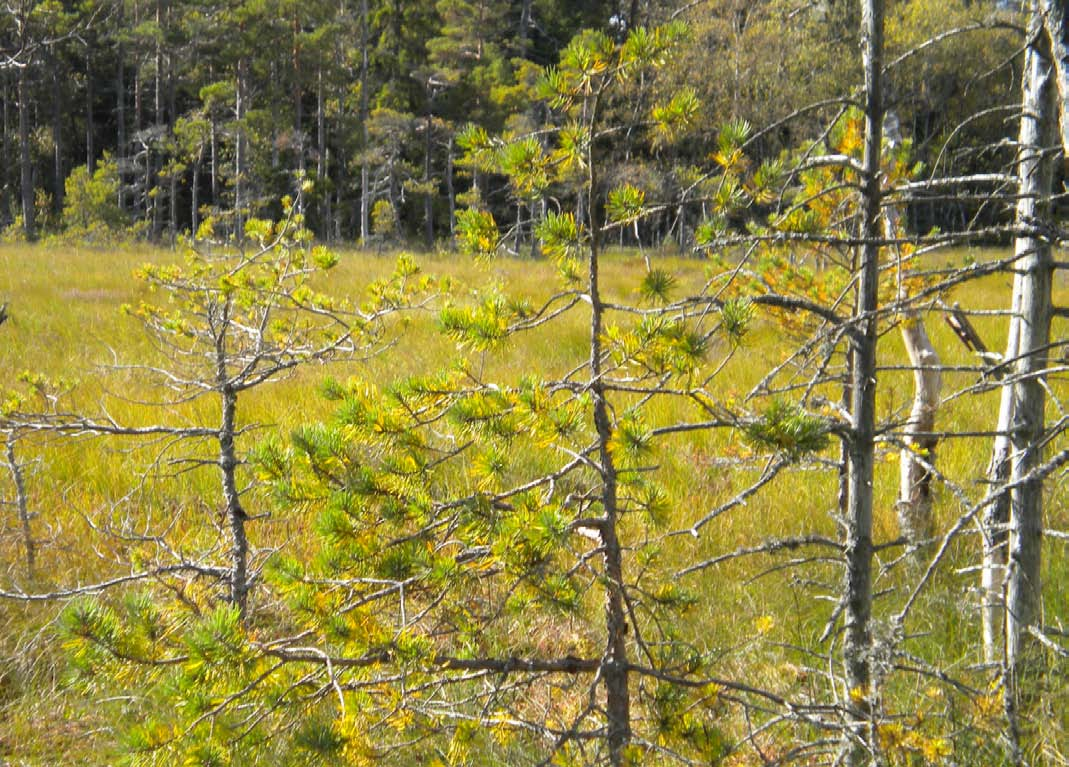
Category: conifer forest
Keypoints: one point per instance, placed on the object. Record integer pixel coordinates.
(534, 383)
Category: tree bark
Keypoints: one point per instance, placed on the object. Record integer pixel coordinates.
(194, 213)
(857, 645)
(615, 661)
(915, 479)
(57, 141)
(914, 506)
(996, 517)
(22, 506)
(1032, 308)
(322, 156)
(25, 162)
(523, 30)
(240, 108)
(365, 170)
(5, 165)
(90, 150)
(428, 198)
(1054, 21)
(120, 109)
(450, 190)
(228, 463)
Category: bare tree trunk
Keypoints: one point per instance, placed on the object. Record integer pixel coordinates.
(523, 30)
(157, 80)
(996, 517)
(57, 140)
(5, 168)
(321, 155)
(365, 170)
(25, 162)
(1054, 20)
(194, 214)
(90, 150)
(215, 162)
(22, 506)
(239, 150)
(449, 188)
(172, 210)
(228, 463)
(428, 198)
(615, 661)
(1032, 305)
(298, 101)
(914, 505)
(915, 480)
(120, 108)
(857, 647)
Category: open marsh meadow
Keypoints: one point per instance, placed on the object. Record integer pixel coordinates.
(763, 615)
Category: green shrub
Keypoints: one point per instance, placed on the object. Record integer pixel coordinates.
(91, 202)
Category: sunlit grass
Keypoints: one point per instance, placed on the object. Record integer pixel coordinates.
(65, 323)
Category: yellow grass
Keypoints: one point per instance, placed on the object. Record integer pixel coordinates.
(65, 322)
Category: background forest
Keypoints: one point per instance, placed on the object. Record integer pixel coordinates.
(534, 383)
(173, 110)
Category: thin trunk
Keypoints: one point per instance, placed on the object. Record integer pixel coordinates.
(1032, 301)
(534, 213)
(215, 162)
(615, 668)
(449, 189)
(996, 516)
(298, 105)
(365, 170)
(137, 81)
(915, 481)
(172, 213)
(239, 151)
(5, 168)
(321, 154)
(517, 230)
(157, 85)
(428, 198)
(914, 505)
(150, 200)
(138, 113)
(90, 150)
(195, 194)
(25, 162)
(523, 32)
(857, 643)
(120, 110)
(22, 507)
(158, 116)
(57, 141)
(228, 463)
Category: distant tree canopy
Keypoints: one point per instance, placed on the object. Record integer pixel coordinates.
(219, 108)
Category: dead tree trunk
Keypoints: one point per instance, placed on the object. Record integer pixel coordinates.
(228, 463)
(915, 480)
(857, 646)
(914, 504)
(615, 661)
(22, 506)
(449, 189)
(25, 161)
(365, 169)
(1032, 309)
(240, 148)
(996, 516)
